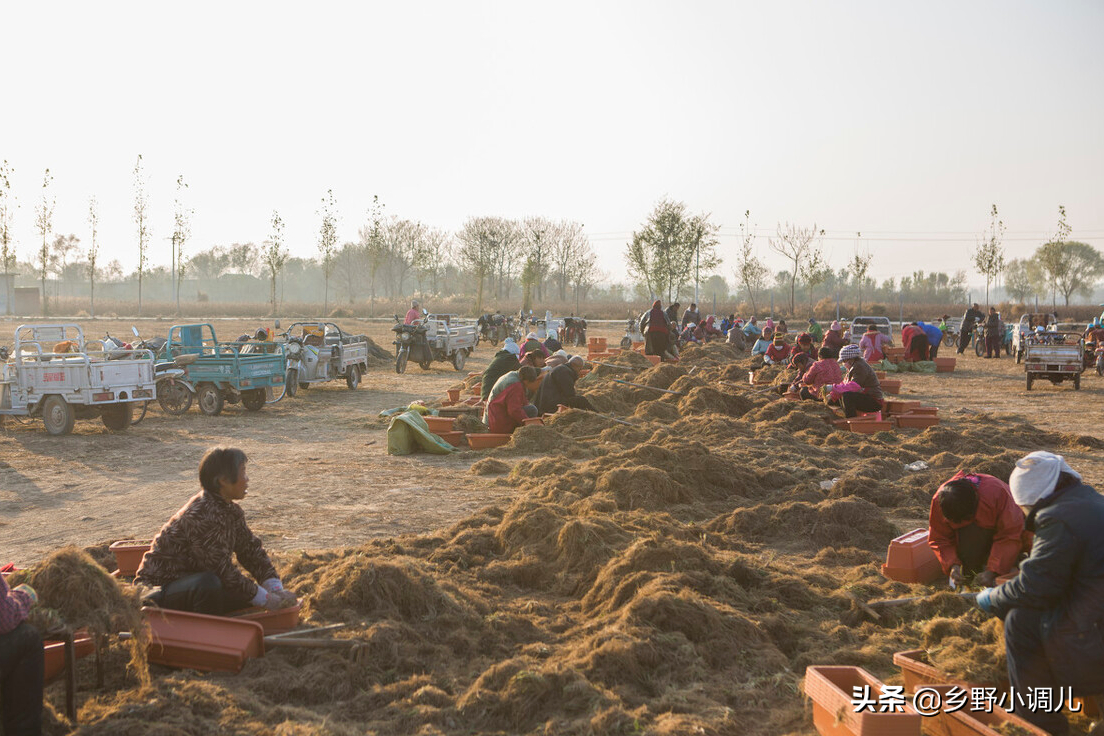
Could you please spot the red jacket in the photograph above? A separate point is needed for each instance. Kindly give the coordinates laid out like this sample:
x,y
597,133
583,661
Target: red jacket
x,y
996,510
778,354
506,412
907,333
822,373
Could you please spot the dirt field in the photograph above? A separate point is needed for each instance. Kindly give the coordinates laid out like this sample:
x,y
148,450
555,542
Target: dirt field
x,y
671,577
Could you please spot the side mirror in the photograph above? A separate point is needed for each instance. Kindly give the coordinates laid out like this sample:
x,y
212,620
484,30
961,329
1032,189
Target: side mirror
x,y
134,330
425,312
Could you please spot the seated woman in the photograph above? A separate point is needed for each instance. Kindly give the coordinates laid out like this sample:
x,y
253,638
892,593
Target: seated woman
x,y
191,560
558,387
778,351
798,362
804,344
821,373
873,344
512,405
865,393
763,342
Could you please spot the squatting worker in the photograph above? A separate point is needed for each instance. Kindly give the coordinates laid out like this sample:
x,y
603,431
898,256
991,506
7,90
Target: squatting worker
x,y
192,556
1053,610
857,370
975,528
504,361
558,387
511,405
21,663
413,314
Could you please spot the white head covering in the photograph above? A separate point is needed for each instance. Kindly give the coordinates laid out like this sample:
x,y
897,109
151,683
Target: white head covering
x,y
562,353
1036,475
511,346
531,336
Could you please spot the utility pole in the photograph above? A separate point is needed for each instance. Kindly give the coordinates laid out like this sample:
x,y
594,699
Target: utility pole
x,y
697,258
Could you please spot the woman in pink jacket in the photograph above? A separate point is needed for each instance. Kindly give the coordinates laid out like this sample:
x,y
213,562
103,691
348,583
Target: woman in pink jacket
x,y
872,344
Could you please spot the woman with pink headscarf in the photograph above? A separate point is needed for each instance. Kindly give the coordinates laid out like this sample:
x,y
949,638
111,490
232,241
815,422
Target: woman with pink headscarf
x,y
833,339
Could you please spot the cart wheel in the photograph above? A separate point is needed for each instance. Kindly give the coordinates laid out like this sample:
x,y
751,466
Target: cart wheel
x,y
141,414
210,399
626,342
1030,381
458,360
116,417
352,377
57,415
1077,382
400,360
174,397
254,400
291,382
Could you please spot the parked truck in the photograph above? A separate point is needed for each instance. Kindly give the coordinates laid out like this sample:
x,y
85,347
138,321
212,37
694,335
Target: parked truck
x,y
51,373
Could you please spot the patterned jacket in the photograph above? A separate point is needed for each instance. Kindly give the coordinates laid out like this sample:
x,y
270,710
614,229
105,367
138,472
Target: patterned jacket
x,y
14,606
204,536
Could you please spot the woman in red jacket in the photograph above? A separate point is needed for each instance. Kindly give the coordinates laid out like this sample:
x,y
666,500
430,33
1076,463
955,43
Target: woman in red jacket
x,y
975,528
510,408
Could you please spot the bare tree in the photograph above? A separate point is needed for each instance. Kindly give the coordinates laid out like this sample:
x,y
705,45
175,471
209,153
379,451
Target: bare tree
x,y
1018,281
859,267
44,223
562,253
750,270
351,262
989,255
671,248
211,263
7,239
405,241
275,254
435,253
373,244
583,271
478,239
93,253
814,271
538,236
62,247
794,243
141,219
327,243
182,230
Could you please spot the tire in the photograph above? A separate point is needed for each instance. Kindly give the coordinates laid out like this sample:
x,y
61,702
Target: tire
x,y
1100,367
303,385
210,399
116,417
1030,381
948,339
352,377
174,397
1077,382
458,360
253,400
58,416
979,346
138,416
425,365
291,382
626,342
401,359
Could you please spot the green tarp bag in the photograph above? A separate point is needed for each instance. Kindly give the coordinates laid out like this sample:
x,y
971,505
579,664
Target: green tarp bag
x,y
408,433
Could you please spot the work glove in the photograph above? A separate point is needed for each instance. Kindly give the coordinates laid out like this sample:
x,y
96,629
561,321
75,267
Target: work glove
x,y
279,600
24,588
983,600
986,579
272,585
956,575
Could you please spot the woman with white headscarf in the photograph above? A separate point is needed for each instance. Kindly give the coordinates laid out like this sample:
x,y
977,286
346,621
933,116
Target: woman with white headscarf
x,y
1053,610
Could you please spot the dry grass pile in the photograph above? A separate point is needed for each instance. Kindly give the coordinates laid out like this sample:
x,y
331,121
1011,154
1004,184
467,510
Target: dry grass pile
x,y
470,423
671,577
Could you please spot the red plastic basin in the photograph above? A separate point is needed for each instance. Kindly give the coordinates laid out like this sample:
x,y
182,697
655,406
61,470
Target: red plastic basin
x,y
200,642
128,555
831,690
487,440
916,421
54,652
439,424
910,559
273,622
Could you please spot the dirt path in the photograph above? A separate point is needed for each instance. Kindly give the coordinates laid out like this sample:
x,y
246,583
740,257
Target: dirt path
x,y
320,475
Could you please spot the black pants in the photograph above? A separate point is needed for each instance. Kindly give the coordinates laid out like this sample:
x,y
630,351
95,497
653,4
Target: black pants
x,y
809,394
918,347
22,664
964,338
933,351
993,342
655,343
973,544
855,401
199,593
1028,666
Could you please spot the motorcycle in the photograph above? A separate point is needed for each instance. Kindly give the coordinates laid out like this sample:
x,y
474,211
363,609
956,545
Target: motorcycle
x,y
979,340
493,328
410,343
573,331
632,333
174,393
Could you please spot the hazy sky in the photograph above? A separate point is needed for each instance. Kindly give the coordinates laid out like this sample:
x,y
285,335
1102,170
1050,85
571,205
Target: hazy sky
x,y
903,121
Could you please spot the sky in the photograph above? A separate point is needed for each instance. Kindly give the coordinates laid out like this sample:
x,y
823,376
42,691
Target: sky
x,y
903,121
